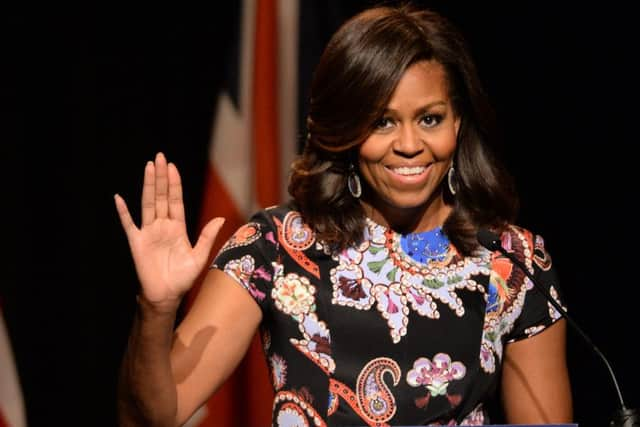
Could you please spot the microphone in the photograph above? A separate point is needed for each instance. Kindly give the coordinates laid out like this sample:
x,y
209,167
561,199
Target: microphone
x,y
623,417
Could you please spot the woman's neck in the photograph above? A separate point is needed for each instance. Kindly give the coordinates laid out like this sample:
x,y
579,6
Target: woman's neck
x,y
408,220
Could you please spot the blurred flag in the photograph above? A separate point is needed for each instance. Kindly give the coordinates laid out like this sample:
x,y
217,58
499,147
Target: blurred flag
x,y
11,405
252,145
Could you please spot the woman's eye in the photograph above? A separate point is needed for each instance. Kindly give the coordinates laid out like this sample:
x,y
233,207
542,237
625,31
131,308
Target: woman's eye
x,y
383,123
430,120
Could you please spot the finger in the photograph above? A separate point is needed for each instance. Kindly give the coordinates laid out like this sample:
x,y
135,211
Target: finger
x,y
176,205
125,217
203,246
148,194
162,187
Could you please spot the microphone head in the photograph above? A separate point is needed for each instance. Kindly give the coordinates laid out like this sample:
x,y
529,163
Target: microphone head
x,y
489,240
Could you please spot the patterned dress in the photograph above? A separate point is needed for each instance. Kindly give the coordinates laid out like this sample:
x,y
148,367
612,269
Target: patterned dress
x,y
400,330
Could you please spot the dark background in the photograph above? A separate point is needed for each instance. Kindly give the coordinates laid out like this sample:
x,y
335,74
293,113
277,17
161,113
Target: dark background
x,y
89,97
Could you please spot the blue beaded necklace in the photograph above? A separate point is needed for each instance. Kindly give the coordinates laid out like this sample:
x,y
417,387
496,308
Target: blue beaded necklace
x,y
426,246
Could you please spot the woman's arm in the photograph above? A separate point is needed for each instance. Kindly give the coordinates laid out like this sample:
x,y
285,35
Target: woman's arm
x,y
535,379
212,340
146,390
166,376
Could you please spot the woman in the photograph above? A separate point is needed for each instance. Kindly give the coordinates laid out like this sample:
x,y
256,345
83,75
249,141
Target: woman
x,y
376,304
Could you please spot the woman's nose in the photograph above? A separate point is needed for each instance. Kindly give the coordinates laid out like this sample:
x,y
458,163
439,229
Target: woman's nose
x,y
409,142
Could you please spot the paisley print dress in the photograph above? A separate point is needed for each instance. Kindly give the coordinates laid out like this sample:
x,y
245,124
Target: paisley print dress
x,y
399,330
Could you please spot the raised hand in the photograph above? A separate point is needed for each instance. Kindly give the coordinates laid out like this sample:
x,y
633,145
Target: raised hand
x,y
166,262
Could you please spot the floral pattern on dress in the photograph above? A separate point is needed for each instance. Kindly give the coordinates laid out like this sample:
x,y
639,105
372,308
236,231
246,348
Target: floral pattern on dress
x,y
292,409
266,340
533,330
553,312
499,293
286,269
295,237
293,294
243,270
316,344
475,417
375,399
278,367
350,288
540,255
377,270
435,376
505,296
372,398
296,234
244,236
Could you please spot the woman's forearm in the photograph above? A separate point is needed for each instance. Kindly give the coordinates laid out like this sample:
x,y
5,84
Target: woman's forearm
x,y
147,391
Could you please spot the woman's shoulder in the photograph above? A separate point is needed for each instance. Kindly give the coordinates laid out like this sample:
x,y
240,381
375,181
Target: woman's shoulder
x,y
283,219
525,244
276,214
283,224
263,229
511,231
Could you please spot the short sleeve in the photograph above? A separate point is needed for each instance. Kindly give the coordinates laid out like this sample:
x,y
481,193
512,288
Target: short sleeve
x,y
248,256
537,312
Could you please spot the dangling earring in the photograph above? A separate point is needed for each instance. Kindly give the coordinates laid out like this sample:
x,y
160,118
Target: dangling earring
x,y
353,183
450,180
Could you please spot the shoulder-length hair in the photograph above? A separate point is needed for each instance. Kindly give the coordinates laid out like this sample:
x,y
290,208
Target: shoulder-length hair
x,y
353,83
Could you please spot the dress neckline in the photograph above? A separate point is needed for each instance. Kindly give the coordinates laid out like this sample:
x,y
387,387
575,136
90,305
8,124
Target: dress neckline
x,y
422,247
425,246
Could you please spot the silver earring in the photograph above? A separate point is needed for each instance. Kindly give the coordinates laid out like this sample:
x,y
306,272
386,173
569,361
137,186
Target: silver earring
x,y
353,183
450,180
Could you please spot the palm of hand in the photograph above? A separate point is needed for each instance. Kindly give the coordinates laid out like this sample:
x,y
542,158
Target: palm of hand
x,y
164,258
166,263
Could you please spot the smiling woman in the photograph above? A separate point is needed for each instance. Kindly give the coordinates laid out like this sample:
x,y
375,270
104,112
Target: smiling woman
x,y
378,74
376,304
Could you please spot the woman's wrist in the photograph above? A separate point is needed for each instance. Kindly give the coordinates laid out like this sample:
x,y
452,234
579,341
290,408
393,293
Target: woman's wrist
x,y
167,307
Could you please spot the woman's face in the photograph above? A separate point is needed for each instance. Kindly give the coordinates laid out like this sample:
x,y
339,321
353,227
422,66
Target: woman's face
x,y
411,148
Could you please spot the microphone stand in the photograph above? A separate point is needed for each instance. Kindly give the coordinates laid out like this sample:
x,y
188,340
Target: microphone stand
x,y
623,417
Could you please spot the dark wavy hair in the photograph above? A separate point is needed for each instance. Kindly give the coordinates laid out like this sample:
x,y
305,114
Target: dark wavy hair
x,y
353,83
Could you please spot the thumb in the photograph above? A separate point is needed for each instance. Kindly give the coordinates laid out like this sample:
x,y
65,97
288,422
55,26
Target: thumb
x,y
125,217
207,237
